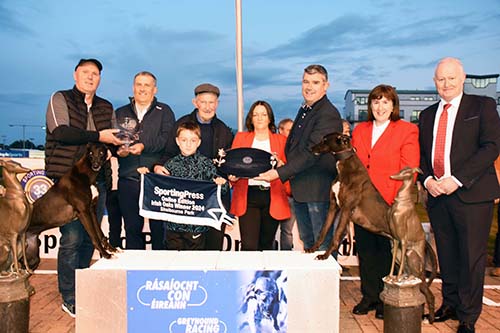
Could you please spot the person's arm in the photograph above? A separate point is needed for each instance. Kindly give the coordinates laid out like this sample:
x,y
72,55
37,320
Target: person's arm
x,y
488,144
58,125
303,158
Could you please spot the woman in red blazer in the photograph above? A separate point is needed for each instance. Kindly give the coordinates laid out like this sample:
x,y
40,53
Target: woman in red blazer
x,y
384,144
259,205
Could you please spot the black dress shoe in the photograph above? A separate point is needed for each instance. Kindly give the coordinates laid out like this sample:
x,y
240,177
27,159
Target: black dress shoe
x,y
364,307
379,311
444,313
466,328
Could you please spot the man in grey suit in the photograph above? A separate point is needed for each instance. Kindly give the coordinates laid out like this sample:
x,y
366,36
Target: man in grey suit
x,y
310,175
462,186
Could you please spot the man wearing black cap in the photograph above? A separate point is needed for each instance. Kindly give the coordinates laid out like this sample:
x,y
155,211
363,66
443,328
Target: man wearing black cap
x,y
74,118
215,134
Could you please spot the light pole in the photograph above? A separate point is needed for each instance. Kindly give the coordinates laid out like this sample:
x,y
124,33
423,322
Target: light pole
x,y
24,130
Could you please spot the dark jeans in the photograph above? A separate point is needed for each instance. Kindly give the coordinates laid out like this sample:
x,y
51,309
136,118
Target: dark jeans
x,y
257,226
286,227
310,219
128,196
75,250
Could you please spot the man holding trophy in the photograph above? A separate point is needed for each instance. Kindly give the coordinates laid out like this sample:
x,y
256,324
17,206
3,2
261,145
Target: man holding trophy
x,y
145,126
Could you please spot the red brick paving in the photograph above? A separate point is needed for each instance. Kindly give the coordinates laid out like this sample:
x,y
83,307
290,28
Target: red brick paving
x,y
46,315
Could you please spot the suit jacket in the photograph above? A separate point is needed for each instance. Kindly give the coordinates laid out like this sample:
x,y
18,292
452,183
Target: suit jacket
x,y
474,147
310,175
279,206
396,148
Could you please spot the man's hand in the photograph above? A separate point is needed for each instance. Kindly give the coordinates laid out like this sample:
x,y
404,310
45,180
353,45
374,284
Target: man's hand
x,y
443,186
136,149
108,136
220,181
122,151
160,169
268,176
448,185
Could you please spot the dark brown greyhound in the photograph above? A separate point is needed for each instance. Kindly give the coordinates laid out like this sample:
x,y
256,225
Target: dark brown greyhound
x,y
71,198
358,201
15,214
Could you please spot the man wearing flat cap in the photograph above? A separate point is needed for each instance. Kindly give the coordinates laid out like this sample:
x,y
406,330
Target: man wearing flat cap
x,y
215,134
74,118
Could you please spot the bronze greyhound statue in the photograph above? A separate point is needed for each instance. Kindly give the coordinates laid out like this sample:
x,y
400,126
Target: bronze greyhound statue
x,y
360,202
15,214
68,199
408,237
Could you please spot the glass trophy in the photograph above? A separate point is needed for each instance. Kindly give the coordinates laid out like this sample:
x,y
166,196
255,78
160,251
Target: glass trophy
x,y
128,131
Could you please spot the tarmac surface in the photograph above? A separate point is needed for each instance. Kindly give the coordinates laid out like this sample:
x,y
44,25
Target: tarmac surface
x,y
46,315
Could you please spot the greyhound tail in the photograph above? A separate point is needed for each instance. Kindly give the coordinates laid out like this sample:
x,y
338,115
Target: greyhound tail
x,y
430,256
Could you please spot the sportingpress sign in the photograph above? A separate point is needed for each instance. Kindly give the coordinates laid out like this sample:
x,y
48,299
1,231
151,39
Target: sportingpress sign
x,y
206,302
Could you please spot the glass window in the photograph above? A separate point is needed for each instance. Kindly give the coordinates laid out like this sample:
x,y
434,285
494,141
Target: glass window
x,y
363,115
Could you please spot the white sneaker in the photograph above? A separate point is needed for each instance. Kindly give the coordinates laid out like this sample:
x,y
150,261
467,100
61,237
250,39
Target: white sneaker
x,y
69,309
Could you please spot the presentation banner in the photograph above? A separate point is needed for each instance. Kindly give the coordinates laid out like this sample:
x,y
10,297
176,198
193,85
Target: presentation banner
x,y
182,200
207,301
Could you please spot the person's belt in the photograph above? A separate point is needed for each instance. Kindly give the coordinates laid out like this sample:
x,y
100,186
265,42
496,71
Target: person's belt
x,y
259,187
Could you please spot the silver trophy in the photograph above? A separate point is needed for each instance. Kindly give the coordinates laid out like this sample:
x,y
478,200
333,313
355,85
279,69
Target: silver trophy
x,y
128,131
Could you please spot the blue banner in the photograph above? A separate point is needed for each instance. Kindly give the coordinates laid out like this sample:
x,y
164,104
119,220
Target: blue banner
x,y
206,301
182,200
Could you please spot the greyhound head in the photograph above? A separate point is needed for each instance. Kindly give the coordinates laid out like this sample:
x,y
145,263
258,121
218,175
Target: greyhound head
x,y
336,143
13,167
406,173
97,154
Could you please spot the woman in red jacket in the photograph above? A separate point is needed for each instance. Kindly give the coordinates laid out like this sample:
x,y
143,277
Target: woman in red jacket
x,y
259,205
384,144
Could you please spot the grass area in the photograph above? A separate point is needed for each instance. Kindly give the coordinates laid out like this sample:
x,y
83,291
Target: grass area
x,y
422,213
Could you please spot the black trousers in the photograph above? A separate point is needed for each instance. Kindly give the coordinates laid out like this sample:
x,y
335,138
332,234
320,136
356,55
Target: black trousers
x,y
257,226
375,257
128,196
461,231
114,218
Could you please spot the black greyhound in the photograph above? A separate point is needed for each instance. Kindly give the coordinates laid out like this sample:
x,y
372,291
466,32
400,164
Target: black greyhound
x,y
71,198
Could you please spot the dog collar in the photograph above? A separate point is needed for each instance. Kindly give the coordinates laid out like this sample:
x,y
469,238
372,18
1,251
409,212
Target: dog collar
x,y
344,154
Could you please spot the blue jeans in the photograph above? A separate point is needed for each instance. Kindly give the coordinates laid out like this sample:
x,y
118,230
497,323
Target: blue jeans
x,y
310,218
75,250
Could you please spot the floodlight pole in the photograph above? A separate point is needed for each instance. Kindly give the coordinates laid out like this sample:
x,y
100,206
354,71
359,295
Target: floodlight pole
x,y
239,66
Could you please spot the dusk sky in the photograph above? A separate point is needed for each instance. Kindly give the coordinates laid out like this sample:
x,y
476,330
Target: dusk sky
x,y
362,43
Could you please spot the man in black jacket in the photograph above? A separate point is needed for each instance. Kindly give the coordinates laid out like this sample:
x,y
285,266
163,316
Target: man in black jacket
x,y
310,175
215,134
155,127
74,118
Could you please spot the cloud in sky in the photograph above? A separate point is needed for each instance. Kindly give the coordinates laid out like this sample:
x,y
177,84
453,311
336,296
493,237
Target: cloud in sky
x,y
361,43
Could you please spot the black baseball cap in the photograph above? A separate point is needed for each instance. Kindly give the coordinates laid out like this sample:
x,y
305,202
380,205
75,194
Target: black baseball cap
x,y
92,60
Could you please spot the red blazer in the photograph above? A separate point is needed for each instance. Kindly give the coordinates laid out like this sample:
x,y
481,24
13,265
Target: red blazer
x,y
279,207
396,148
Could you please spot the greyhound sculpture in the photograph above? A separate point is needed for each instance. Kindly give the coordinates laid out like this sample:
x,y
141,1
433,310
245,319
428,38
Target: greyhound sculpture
x,y
359,201
15,214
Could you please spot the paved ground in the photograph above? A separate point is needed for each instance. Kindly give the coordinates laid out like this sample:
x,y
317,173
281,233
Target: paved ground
x,y
47,316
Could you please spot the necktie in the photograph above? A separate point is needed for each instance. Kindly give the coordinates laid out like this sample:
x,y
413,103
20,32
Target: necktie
x,y
440,143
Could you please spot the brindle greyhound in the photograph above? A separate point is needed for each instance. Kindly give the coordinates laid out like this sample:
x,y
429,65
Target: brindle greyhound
x,y
408,236
15,213
358,201
68,199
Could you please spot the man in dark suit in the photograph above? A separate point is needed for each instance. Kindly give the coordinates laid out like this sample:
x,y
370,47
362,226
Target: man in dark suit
x,y
463,130
310,175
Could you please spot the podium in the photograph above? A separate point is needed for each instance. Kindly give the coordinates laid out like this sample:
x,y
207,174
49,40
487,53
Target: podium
x,y
209,292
